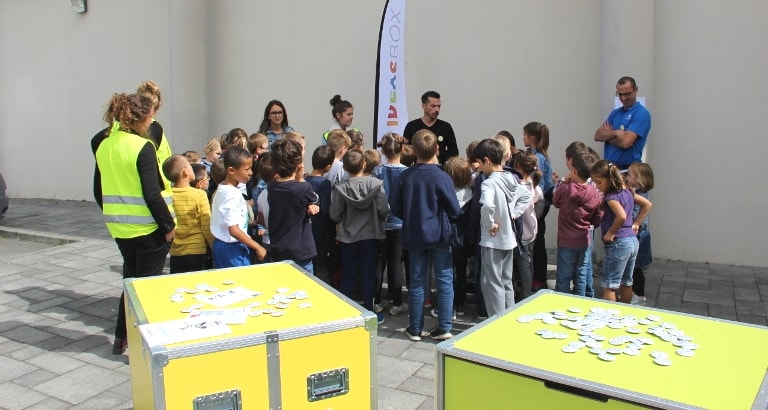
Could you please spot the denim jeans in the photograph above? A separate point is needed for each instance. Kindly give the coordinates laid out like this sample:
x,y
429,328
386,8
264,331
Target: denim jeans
x,y
442,261
589,289
619,262
307,265
572,265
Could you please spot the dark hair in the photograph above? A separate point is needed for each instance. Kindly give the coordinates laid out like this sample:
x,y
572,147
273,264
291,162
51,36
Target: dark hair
x,y
529,164
471,151
286,156
583,164
130,110
322,157
540,134
391,144
607,170
218,171
235,157
429,94
265,122
192,156
172,167
200,173
626,79
264,167
575,149
339,105
491,149
509,136
355,137
236,137
353,161
407,157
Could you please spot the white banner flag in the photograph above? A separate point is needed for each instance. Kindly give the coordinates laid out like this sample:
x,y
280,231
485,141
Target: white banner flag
x,y
391,113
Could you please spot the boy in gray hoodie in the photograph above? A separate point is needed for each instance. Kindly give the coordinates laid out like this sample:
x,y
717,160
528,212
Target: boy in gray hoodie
x,y
359,205
503,199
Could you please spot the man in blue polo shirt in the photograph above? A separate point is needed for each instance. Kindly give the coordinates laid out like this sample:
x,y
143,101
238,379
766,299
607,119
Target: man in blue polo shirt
x,y
625,132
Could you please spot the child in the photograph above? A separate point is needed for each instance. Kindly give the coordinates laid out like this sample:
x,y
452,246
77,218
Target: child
x,y
193,157
266,175
425,200
201,180
407,157
536,138
461,174
291,203
323,228
298,137
580,209
391,254
526,164
355,139
360,207
618,229
212,152
640,178
339,142
218,174
502,201
372,160
257,145
193,216
229,221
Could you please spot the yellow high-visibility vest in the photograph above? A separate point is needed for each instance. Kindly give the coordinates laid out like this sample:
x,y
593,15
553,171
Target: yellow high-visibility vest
x,y
125,210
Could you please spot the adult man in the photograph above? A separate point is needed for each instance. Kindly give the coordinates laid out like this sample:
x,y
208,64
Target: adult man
x,y
446,139
625,132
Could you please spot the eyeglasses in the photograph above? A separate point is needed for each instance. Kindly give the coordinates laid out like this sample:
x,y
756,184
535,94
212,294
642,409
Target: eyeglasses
x,y
276,113
626,94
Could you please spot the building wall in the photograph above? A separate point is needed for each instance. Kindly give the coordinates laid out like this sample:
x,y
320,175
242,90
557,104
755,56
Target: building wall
x,y
498,65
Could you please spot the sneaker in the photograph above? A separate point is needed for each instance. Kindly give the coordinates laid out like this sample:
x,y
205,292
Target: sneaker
x,y
638,300
119,346
433,312
379,307
380,317
414,336
459,311
440,334
396,310
482,315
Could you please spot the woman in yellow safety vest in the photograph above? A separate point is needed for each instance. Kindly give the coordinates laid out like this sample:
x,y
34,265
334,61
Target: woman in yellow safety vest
x,y
136,212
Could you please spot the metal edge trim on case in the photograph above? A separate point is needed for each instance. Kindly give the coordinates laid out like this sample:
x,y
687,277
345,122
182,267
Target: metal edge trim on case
x,y
761,400
216,346
158,385
273,370
439,381
374,340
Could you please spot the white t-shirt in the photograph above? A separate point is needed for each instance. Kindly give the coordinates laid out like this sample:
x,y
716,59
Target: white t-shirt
x,y
264,210
228,208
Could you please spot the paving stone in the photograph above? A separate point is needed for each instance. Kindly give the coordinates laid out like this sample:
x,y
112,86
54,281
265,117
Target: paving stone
x,y
13,368
419,385
739,282
393,347
105,400
671,301
427,371
753,319
27,334
50,404
429,404
426,356
705,296
733,271
81,384
393,372
393,399
18,397
746,307
55,362
752,294
26,353
48,304
695,308
34,378
723,312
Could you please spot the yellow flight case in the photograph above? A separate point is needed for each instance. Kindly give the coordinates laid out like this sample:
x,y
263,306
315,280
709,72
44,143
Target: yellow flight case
x,y
557,351
266,336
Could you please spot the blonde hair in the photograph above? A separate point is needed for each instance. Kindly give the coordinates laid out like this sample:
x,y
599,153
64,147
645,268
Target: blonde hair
x,y
151,90
505,145
255,141
212,145
338,139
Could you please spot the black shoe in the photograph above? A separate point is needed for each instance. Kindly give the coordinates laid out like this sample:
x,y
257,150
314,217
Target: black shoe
x,y
440,334
119,346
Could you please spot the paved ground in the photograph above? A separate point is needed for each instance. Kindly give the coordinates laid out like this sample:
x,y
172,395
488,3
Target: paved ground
x,y
60,284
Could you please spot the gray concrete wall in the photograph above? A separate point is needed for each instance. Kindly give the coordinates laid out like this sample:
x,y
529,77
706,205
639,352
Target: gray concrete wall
x,y
498,66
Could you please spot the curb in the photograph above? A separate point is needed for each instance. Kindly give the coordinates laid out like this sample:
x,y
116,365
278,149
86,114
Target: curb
x,y
35,236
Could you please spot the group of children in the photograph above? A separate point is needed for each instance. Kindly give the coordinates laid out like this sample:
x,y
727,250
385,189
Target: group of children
x,y
355,217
